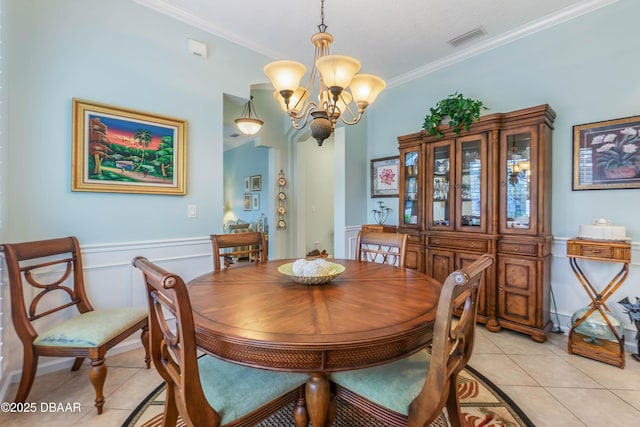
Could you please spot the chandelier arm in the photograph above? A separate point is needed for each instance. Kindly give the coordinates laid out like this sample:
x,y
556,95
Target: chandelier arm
x,y
296,118
356,120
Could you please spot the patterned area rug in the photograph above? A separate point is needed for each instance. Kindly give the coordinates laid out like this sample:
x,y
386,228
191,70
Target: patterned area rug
x,y
483,405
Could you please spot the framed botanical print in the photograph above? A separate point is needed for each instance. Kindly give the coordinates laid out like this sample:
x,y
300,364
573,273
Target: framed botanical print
x,y
384,177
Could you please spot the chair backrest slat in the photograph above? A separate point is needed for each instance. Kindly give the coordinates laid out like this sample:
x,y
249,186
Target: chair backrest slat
x,y
385,248
34,264
254,242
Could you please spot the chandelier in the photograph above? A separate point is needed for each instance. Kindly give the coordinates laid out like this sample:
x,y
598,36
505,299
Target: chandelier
x,y
338,92
247,123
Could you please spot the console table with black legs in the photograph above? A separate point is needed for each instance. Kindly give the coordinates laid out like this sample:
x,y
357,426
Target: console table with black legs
x,y
607,351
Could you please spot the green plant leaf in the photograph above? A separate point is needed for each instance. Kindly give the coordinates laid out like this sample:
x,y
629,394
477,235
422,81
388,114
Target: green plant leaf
x,y
461,111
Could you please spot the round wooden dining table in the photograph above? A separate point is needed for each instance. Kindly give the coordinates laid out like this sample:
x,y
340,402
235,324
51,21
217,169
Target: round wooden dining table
x,y
369,315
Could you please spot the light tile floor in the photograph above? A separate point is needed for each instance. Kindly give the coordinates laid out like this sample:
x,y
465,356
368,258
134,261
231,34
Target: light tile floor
x,y
552,387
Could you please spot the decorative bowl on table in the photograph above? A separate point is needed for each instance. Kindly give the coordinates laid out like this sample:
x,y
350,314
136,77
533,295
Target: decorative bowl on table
x,y
315,272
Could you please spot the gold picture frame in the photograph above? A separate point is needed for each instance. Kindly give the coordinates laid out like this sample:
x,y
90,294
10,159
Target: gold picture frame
x,y
120,150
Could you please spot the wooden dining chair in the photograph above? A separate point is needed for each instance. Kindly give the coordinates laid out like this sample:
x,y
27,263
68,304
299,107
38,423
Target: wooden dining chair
x,y
226,246
207,391
414,390
52,314
386,248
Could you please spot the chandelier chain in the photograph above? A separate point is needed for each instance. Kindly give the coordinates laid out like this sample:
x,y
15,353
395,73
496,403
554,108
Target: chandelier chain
x,y
322,27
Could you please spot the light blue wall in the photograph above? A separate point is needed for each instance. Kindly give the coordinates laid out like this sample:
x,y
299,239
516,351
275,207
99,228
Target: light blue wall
x,y
119,53
586,69
246,161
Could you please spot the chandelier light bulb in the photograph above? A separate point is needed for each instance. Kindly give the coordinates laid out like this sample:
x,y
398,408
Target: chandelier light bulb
x,y
337,70
285,75
365,88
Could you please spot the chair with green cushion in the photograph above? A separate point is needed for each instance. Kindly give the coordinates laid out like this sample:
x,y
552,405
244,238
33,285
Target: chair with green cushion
x,y
53,316
414,390
207,391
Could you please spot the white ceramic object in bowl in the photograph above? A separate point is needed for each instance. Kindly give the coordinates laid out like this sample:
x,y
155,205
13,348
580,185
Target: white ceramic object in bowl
x,y
335,271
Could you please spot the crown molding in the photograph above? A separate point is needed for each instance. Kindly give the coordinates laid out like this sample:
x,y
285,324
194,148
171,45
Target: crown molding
x,y
541,24
170,10
533,27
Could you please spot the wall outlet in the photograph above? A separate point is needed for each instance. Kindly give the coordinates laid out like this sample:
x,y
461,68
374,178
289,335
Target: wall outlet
x,y
192,211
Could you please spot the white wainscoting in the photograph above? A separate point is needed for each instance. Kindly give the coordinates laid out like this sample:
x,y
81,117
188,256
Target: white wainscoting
x,y
351,235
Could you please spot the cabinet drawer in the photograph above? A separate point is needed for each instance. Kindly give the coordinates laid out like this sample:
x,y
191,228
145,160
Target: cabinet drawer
x,y
595,250
469,244
517,248
414,239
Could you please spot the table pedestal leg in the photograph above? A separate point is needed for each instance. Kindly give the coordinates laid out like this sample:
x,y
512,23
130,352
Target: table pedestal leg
x,y
317,392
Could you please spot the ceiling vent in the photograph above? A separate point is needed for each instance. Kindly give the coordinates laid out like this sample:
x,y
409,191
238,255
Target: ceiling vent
x,y
469,35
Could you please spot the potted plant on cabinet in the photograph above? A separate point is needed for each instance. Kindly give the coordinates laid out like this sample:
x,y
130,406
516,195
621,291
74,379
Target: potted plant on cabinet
x,y
456,110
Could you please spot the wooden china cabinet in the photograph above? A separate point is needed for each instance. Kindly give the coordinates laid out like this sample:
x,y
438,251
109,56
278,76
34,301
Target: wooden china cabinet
x,y
486,190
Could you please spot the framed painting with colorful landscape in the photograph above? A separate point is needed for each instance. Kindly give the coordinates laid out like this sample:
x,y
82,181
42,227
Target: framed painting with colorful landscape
x,y
119,150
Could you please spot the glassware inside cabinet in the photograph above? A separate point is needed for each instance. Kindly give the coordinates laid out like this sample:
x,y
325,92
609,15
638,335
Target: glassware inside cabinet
x,y
440,210
518,187
411,187
470,194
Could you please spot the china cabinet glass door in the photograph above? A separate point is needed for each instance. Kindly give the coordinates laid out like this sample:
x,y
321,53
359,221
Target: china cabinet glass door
x,y
518,181
469,176
440,173
519,170
411,187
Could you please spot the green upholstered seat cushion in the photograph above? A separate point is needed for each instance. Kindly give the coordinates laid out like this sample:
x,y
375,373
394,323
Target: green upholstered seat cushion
x,y
234,390
91,329
393,385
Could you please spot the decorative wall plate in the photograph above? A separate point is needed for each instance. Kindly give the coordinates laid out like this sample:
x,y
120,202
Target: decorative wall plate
x,y
282,181
282,224
282,196
282,210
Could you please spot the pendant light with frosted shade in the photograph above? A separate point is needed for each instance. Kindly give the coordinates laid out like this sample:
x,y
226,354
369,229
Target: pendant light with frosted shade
x,y
247,123
334,90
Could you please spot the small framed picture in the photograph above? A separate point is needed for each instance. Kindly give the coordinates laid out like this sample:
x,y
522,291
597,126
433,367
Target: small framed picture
x,y
247,184
255,202
606,155
384,177
247,201
256,183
